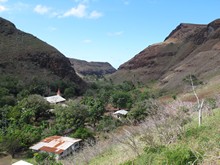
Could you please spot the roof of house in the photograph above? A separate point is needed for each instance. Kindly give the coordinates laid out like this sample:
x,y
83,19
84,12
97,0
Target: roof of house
x,y
122,112
55,144
55,99
21,162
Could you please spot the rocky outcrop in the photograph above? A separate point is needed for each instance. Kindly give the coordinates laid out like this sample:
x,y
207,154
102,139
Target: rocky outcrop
x,y
92,68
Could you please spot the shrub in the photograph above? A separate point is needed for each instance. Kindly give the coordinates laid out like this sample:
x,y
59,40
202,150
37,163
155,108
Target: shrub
x,y
44,158
192,78
82,133
211,103
108,123
130,162
179,155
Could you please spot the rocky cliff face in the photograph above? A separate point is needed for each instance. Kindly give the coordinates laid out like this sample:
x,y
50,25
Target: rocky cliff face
x,y
25,56
92,68
189,49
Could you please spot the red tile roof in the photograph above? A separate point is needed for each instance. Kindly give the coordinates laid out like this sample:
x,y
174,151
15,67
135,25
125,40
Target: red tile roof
x,y
55,144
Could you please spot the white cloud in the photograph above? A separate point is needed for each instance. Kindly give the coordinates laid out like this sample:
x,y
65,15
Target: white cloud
x,y
126,2
1,1
2,8
79,11
41,9
115,33
52,29
95,14
87,41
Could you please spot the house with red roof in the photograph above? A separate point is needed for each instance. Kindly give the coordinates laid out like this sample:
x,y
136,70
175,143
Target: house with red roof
x,y
60,146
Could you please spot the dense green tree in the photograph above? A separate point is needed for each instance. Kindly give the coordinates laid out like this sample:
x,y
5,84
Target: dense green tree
x,y
31,109
11,142
70,117
142,109
108,123
126,86
83,133
11,84
69,92
18,137
121,99
96,109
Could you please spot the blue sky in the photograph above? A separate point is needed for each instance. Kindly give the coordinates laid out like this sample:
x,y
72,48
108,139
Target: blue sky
x,y
111,31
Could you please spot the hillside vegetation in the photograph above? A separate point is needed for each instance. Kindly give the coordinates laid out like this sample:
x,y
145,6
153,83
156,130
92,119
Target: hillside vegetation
x,y
159,140
27,59
188,49
160,125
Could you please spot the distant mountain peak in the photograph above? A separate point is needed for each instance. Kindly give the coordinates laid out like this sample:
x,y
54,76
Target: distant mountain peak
x,y
188,49
92,68
182,31
212,26
6,27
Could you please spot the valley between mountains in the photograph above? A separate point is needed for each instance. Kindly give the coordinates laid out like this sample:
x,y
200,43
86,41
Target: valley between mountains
x,y
160,107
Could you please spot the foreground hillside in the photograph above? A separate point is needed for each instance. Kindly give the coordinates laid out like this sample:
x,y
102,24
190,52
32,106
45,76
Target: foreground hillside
x,y
92,68
160,140
189,49
25,57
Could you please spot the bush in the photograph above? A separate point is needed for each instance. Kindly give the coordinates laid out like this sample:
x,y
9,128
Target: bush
x,y
83,133
194,131
211,103
192,78
179,155
44,158
130,162
155,149
108,123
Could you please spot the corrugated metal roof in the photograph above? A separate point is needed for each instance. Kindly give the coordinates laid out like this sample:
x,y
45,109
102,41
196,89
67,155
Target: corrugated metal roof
x,y
122,112
55,144
55,99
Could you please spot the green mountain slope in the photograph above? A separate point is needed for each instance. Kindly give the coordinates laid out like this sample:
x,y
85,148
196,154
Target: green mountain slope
x,y
26,57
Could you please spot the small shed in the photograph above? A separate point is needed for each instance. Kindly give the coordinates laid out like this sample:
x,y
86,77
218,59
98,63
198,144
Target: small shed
x,y
60,146
120,113
55,99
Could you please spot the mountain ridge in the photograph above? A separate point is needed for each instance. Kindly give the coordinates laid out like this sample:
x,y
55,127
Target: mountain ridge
x,y
188,49
92,68
26,57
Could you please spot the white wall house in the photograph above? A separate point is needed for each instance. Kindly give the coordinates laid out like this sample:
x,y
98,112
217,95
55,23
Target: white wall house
x,y
55,99
60,146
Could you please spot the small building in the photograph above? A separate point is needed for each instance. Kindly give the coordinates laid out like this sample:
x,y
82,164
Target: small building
x,y
60,146
56,98
21,162
120,113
